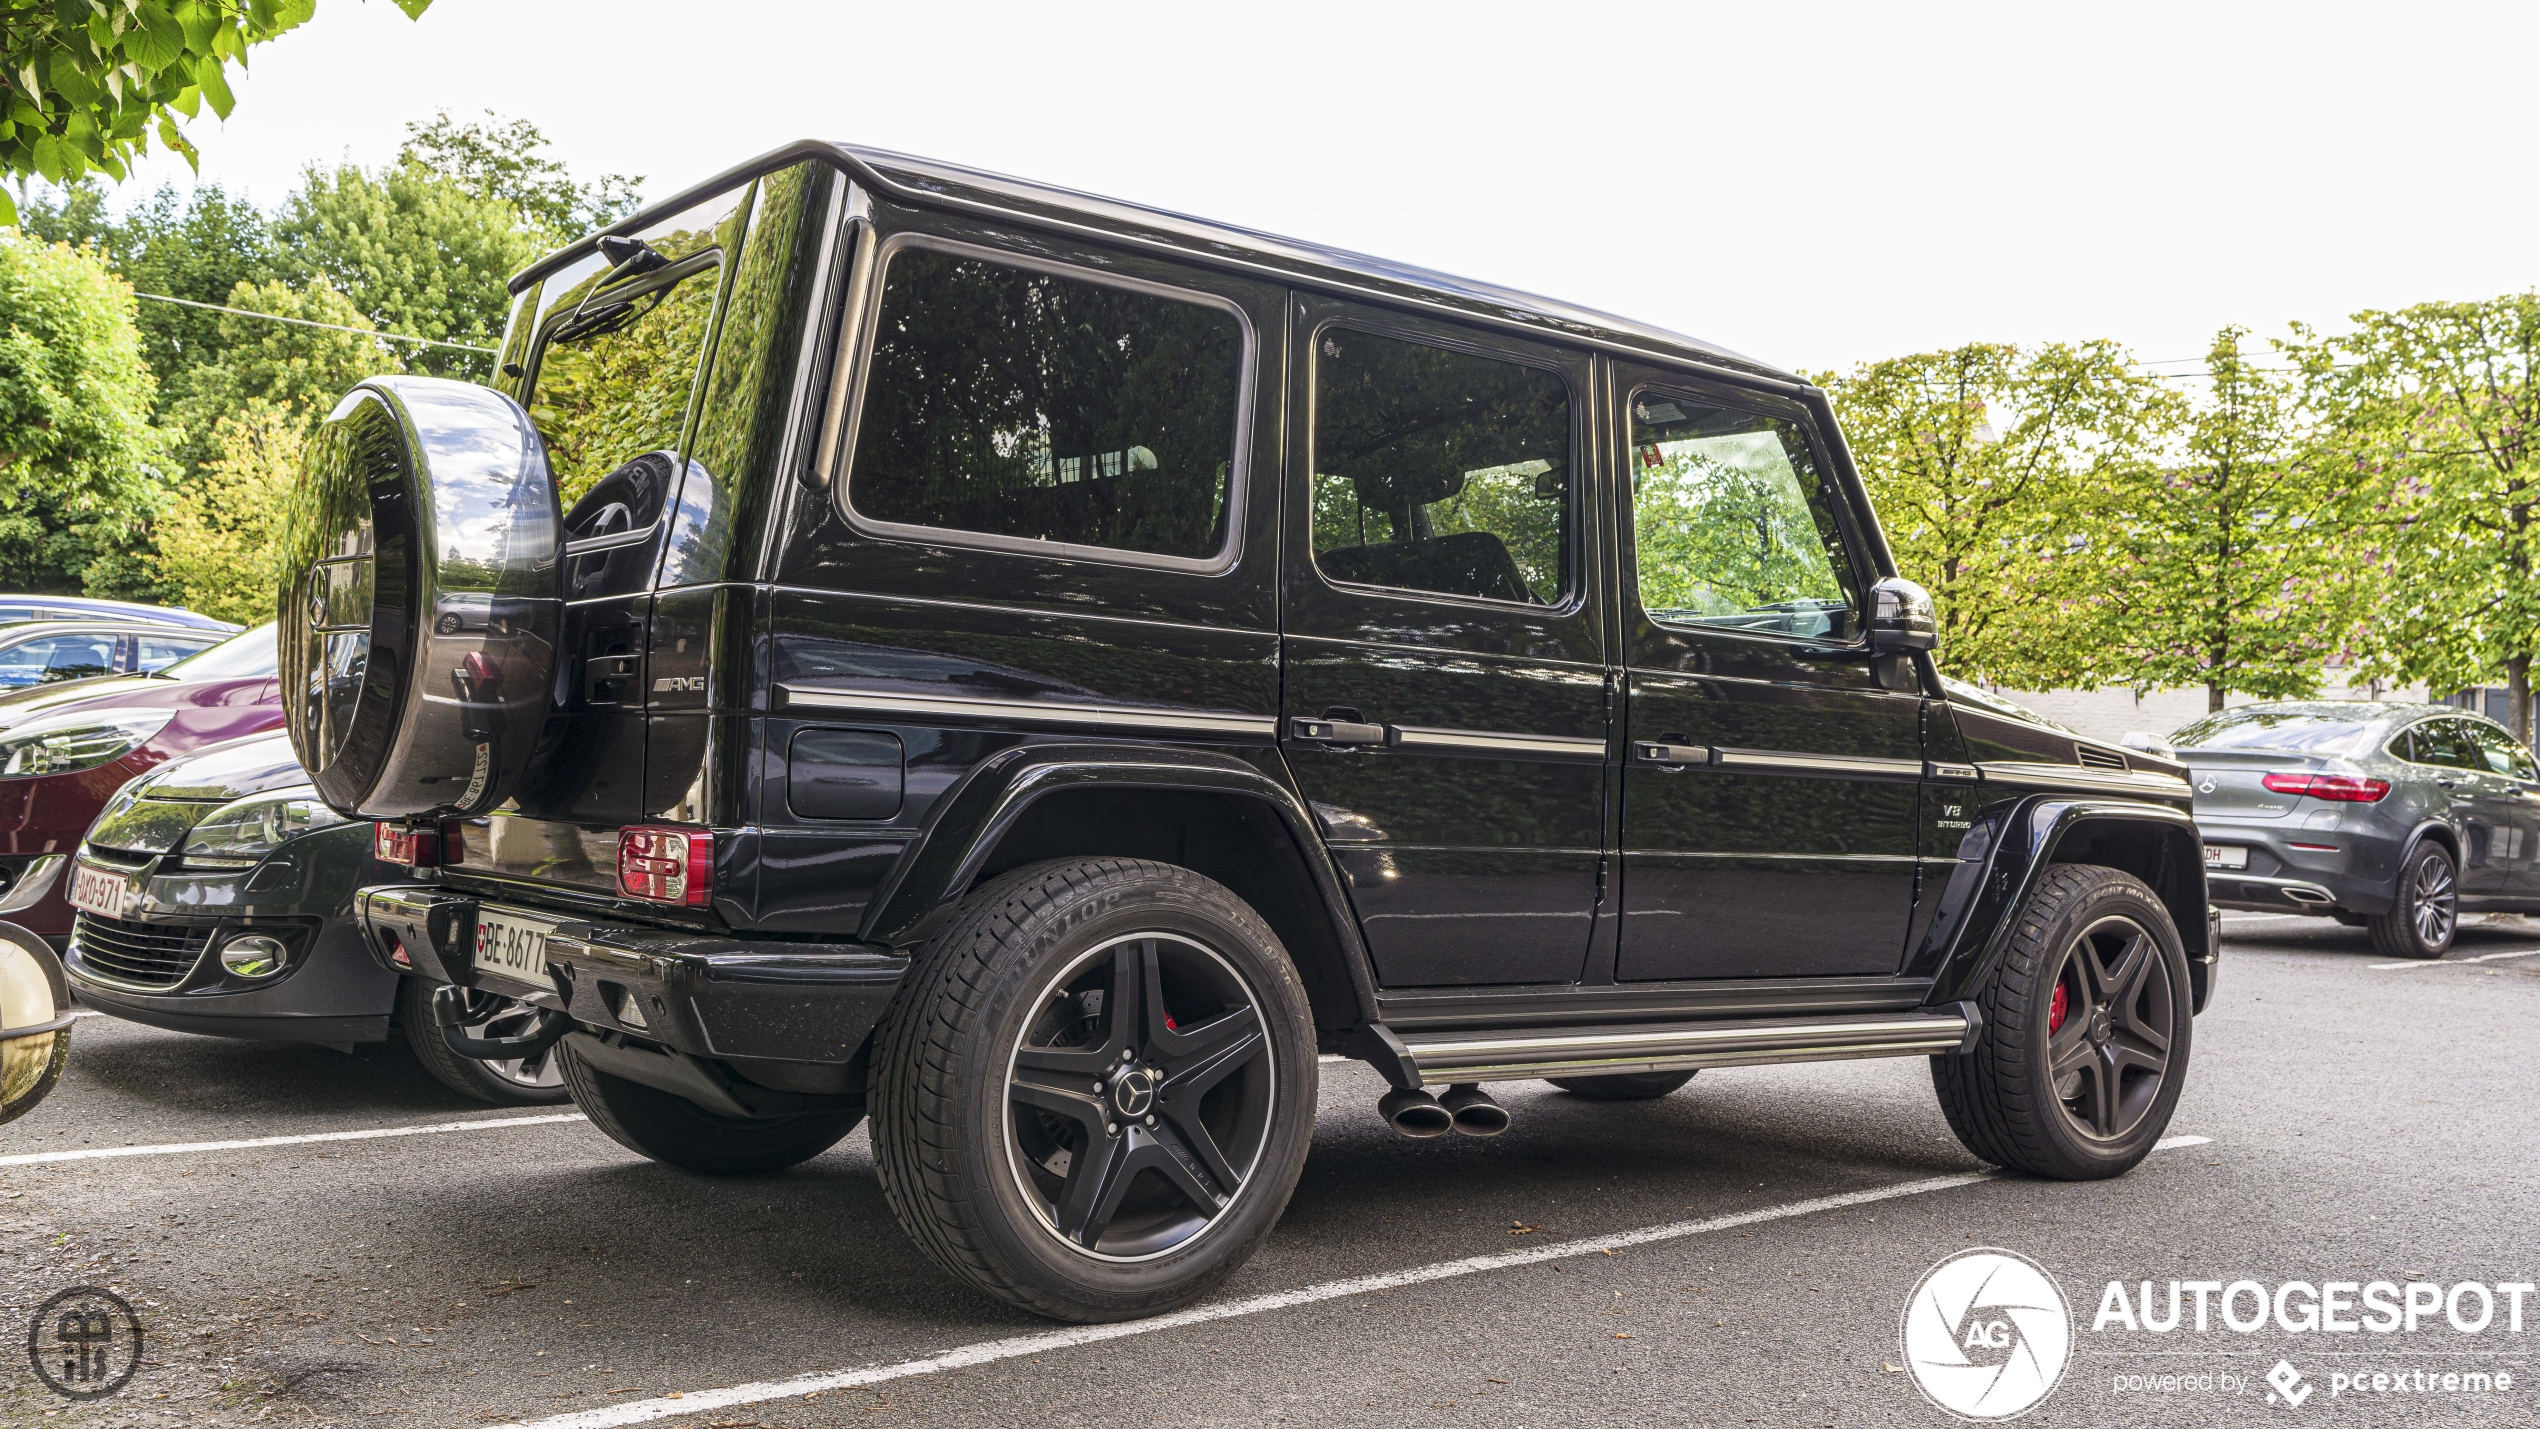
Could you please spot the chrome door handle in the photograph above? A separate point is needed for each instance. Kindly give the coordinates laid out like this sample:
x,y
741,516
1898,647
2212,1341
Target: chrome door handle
x,y
1669,756
1331,731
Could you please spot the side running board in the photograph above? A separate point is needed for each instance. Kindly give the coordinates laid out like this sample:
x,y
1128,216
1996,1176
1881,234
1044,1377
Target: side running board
x,y
1675,1046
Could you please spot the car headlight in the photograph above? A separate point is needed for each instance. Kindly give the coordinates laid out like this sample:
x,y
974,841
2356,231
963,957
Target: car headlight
x,y
248,829
75,740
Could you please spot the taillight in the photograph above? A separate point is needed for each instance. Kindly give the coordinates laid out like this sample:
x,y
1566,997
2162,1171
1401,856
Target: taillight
x,y
413,848
665,865
434,847
2336,788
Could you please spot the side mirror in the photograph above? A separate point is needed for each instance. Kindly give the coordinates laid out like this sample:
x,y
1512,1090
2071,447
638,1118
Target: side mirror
x,y
2151,744
35,1020
1901,617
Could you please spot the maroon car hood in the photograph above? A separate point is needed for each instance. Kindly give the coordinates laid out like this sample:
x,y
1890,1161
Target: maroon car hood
x,y
204,707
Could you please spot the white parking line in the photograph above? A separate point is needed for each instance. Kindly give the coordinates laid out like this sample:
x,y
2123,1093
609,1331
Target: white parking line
x,y
988,1352
176,1148
2452,962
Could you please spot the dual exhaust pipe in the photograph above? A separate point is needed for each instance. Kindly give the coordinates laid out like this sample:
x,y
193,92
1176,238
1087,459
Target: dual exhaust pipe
x,y
1465,1108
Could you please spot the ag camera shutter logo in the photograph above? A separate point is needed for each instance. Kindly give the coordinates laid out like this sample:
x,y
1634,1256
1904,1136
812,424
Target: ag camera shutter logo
x,y
1987,1334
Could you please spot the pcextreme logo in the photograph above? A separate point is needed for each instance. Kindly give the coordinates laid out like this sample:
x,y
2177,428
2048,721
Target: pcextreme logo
x,y
1986,1334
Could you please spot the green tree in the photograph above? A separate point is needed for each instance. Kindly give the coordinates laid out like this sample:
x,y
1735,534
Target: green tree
x,y
80,464
1987,464
88,83
219,547
2232,565
502,159
416,254
2437,408
293,367
197,248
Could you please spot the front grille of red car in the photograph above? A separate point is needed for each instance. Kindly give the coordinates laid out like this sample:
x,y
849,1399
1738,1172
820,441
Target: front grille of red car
x,y
127,950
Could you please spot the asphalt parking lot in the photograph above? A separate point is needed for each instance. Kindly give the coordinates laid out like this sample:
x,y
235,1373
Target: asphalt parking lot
x,y
1738,1253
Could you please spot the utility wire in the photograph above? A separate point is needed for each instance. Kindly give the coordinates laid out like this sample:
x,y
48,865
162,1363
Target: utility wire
x,y
304,322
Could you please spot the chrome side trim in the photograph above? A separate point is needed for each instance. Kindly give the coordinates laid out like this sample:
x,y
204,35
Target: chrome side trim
x,y
1451,1057
1109,719
1489,745
2066,776
1830,766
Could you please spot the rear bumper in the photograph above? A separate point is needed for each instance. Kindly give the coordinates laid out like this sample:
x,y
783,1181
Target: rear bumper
x,y
707,996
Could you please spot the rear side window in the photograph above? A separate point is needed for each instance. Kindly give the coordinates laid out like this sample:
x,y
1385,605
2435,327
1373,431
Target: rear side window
x,y
2444,742
1437,470
2500,752
57,657
1049,407
157,652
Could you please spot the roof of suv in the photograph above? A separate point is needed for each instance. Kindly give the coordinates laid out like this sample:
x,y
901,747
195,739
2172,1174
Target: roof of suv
x,y
906,178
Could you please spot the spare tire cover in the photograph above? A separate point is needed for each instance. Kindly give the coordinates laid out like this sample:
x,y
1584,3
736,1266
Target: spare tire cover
x,y
418,633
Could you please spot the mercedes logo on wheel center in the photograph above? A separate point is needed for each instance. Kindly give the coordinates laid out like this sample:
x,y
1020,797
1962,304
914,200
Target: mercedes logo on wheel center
x,y
1986,1334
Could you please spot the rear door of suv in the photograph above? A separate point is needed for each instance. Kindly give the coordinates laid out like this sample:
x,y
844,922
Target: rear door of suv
x,y
1446,700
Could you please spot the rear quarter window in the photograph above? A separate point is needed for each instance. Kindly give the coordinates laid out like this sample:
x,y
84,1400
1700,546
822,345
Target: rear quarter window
x,y
1050,409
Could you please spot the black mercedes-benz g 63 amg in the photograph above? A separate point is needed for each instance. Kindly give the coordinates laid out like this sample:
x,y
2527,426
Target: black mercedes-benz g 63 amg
x,y
899,641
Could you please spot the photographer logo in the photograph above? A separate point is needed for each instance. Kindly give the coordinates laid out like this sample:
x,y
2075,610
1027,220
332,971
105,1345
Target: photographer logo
x,y
1986,1334
84,1343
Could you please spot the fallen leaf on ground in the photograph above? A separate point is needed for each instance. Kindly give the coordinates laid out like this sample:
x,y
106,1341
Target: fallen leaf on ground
x,y
1521,1228
1622,1337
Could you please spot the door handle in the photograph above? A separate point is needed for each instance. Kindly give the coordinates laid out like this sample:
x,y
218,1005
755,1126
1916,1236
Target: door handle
x,y
1669,756
1336,731
604,678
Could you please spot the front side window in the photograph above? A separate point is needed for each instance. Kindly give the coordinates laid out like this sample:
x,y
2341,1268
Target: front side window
x,y
1035,406
1437,470
1733,525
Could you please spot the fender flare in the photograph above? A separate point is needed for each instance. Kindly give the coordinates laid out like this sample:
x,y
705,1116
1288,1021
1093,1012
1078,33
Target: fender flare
x,y
938,870
2023,845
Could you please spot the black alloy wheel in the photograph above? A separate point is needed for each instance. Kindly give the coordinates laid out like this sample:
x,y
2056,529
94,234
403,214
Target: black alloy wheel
x,y
2109,1023
1095,1088
2081,1049
1139,1096
2425,909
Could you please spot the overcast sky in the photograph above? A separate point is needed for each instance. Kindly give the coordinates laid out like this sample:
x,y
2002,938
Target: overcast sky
x,y
1815,185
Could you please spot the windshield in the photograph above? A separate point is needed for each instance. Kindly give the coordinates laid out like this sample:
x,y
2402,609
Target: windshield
x,y
249,655
2257,728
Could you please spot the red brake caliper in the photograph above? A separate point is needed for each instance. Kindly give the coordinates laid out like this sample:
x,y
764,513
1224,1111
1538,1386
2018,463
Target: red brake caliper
x,y
2055,1010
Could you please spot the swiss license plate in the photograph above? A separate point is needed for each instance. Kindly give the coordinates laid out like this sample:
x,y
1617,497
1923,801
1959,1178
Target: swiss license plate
x,y
98,890
2226,856
513,947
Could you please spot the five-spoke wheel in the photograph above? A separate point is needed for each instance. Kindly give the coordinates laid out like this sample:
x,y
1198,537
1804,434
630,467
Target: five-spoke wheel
x,y
2109,1023
1139,1095
2083,1033
1096,1088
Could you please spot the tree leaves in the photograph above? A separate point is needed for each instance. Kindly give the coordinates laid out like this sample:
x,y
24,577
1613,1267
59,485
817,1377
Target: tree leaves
x,y
100,80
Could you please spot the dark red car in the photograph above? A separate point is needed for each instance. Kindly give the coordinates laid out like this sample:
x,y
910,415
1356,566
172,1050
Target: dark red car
x,y
66,748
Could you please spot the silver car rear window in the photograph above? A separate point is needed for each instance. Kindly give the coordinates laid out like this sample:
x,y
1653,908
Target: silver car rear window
x,y
2276,729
